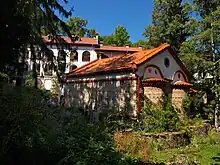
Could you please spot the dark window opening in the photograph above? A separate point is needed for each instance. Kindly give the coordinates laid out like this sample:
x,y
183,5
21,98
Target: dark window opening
x,y
72,67
48,69
166,62
38,68
86,56
73,55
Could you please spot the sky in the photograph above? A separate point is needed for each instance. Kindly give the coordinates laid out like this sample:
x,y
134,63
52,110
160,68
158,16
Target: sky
x,y
105,15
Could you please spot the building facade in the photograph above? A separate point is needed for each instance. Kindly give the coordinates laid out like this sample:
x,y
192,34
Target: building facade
x,y
74,54
120,82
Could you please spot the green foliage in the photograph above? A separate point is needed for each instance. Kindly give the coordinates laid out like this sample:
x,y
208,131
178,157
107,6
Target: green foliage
x,y
33,132
151,119
3,77
119,37
171,23
30,80
194,106
203,150
77,26
154,119
55,87
141,43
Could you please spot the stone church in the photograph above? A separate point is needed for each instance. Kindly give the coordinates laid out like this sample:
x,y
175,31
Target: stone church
x,y
119,82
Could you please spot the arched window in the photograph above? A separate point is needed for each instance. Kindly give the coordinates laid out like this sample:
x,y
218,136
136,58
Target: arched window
x,y
72,67
49,55
38,68
73,55
86,56
152,71
179,76
61,59
48,69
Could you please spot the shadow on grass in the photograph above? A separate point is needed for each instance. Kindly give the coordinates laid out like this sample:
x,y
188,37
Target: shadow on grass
x,y
216,159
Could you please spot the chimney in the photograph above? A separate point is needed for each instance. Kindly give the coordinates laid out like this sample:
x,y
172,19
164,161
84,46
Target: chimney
x,y
101,43
97,37
127,46
140,47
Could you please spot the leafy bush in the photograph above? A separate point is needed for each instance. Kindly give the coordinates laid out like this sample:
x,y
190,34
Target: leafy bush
x,y
3,77
151,119
154,119
31,132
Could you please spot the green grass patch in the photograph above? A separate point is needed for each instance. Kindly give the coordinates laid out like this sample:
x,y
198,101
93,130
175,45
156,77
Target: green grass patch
x,y
204,150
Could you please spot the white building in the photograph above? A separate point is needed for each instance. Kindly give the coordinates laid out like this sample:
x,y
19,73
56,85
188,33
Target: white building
x,y
73,54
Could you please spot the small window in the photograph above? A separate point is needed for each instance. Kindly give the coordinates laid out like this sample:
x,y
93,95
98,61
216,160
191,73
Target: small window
x,y
86,56
72,67
61,55
48,69
179,75
38,68
74,55
149,70
166,62
156,72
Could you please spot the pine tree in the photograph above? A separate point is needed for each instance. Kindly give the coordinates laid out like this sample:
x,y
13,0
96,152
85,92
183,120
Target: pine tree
x,y
201,52
21,25
171,23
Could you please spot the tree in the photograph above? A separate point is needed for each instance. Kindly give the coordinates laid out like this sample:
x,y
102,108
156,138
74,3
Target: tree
x,y
119,37
77,26
108,40
171,23
22,24
201,52
91,33
141,43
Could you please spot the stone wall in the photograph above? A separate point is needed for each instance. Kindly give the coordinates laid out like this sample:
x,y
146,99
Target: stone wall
x,y
153,94
100,96
177,98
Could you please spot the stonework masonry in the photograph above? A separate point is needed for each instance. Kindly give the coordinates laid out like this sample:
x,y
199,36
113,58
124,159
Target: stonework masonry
x,y
155,94
101,96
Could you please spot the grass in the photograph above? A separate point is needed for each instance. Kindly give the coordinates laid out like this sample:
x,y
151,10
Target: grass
x,y
133,146
204,150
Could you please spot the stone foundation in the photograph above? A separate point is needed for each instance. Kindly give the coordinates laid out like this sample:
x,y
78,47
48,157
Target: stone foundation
x,y
177,98
153,94
101,96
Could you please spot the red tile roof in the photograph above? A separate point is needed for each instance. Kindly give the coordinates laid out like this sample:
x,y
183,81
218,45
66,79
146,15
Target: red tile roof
x,y
118,63
182,83
66,39
118,48
153,79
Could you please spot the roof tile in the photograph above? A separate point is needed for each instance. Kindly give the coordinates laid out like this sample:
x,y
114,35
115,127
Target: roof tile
x,y
83,41
118,62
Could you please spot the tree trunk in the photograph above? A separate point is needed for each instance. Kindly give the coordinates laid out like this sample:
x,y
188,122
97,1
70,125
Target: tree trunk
x,y
33,55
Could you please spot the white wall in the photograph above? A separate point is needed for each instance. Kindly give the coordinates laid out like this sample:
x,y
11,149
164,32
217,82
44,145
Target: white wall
x,y
100,77
159,61
80,49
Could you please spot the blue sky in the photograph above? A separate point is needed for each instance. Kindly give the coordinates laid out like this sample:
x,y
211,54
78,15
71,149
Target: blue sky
x,y
105,15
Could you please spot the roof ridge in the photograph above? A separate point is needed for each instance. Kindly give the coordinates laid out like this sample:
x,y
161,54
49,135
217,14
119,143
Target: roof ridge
x,y
163,46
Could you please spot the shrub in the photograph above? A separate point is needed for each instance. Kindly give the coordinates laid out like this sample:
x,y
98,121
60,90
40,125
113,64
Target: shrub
x,y
34,133
154,119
